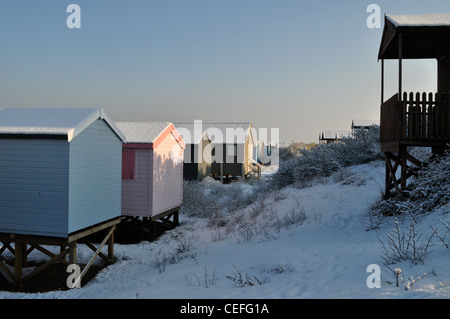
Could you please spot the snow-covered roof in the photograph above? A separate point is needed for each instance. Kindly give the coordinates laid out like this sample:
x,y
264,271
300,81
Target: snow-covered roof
x,y
219,132
364,123
420,20
142,132
330,135
52,121
229,132
149,132
192,133
424,36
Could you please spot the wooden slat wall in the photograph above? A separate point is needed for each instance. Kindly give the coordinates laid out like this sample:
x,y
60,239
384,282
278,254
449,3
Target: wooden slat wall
x,y
389,123
416,117
34,186
427,116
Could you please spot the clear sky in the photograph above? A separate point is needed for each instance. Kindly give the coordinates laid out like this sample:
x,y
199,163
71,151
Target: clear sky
x,y
300,66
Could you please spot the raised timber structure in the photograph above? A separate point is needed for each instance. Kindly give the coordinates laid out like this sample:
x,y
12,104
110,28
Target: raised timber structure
x,y
152,173
59,183
414,119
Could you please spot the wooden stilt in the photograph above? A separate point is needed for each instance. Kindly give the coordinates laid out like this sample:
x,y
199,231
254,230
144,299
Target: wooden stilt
x,y
73,253
111,247
392,178
152,230
2,265
18,248
406,171
176,218
404,167
68,246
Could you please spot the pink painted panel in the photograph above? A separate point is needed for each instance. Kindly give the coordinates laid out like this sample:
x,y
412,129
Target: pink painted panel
x,y
167,175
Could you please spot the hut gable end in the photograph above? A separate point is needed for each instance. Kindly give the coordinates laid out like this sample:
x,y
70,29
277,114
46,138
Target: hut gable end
x,y
167,170
95,176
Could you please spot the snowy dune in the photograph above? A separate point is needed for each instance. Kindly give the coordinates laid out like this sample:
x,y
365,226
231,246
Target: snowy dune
x,y
325,256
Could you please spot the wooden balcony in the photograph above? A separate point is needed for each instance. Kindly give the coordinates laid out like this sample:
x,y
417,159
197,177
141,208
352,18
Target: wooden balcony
x,y
418,119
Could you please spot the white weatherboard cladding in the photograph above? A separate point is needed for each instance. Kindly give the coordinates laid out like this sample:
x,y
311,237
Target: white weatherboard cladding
x,y
95,179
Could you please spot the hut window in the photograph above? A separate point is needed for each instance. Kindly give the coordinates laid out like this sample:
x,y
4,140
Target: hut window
x,y
128,164
232,150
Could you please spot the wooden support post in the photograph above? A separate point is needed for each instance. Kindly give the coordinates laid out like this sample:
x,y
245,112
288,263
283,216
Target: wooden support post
x,y
3,266
18,264
111,247
400,64
382,81
152,230
73,252
391,176
24,255
176,218
404,166
60,265
387,186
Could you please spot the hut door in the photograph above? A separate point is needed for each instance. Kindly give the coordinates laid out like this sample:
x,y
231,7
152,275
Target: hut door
x,y
128,164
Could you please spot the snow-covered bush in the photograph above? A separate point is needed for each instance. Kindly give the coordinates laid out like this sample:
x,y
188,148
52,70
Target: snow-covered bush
x,y
406,244
303,165
429,190
241,279
212,199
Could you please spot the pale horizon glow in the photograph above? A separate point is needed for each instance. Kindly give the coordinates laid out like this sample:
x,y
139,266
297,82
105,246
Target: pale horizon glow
x,y
300,66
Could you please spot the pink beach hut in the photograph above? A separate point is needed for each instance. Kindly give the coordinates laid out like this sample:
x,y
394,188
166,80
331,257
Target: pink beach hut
x,y
152,171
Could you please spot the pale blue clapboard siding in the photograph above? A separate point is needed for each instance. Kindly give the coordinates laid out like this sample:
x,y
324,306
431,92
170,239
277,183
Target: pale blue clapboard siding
x,y
34,176
95,178
50,187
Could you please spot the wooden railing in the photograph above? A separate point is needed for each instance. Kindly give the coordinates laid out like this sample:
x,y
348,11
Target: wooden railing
x,y
390,120
254,167
417,117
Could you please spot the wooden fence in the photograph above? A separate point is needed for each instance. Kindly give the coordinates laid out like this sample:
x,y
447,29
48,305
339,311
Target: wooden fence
x,y
417,117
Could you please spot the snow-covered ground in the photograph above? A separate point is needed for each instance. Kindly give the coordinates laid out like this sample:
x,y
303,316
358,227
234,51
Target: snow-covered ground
x,y
324,256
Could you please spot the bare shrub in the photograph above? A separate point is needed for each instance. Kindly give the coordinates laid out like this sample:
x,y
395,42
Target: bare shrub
x,y
241,279
406,244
